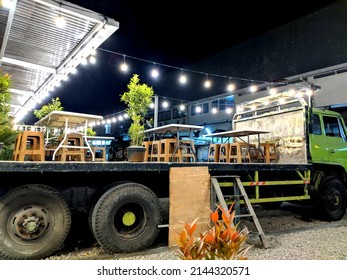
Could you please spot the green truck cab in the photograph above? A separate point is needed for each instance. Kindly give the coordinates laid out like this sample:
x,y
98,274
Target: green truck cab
x,y
312,148
328,150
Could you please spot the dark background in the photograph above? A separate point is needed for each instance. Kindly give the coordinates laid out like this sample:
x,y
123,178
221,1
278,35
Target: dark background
x,y
174,35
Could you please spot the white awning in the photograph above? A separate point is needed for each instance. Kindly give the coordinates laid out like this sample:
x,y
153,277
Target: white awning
x,y
38,54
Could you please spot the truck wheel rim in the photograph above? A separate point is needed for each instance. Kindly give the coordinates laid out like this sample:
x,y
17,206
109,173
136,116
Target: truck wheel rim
x,y
334,200
29,223
129,218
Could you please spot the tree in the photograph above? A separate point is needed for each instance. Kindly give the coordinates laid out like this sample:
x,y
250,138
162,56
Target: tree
x,y
137,98
55,105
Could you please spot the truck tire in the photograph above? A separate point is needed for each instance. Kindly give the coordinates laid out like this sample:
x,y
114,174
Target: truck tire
x,y
34,222
126,218
332,201
91,209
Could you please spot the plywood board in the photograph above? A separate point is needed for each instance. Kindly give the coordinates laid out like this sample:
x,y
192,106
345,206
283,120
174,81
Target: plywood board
x,y
189,199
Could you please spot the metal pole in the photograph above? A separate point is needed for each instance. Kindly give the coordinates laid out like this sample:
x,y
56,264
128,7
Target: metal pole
x,y
156,101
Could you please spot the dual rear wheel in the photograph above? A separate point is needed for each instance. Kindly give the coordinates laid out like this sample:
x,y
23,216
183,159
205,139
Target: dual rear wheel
x,y
35,220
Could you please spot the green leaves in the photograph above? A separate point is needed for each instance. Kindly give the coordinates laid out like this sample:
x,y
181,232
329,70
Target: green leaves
x,y
223,241
137,98
55,105
5,98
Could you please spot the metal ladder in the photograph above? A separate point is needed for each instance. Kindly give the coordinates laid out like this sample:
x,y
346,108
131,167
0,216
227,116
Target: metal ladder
x,y
239,192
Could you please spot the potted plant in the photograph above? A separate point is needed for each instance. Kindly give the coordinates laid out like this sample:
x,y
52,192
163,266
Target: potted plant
x,y
137,98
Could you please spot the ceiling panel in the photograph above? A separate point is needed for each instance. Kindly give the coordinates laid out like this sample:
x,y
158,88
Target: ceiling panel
x,y
37,53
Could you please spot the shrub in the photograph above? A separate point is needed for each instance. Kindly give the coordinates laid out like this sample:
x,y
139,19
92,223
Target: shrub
x,y
222,241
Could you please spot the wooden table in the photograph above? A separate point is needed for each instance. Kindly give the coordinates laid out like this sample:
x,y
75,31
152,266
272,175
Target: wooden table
x,y
174,130
68,120
239,133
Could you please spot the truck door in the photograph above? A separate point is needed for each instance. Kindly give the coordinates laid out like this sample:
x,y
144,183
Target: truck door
x,y
319,151
335,139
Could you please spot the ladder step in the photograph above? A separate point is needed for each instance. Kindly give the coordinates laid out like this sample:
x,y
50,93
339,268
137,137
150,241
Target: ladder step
x,y
238,187
243,215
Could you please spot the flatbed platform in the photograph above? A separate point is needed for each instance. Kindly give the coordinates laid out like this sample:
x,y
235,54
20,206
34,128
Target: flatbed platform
x,y
121,166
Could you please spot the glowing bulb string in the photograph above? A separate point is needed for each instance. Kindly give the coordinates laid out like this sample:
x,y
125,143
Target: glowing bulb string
x,y
182,69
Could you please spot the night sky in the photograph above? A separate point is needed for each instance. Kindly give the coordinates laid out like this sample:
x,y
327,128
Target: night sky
x,y
176,33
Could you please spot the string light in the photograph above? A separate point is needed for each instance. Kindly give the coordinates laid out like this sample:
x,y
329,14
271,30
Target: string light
x,y
272,90
165,103
75,61
253,88
92,59
198,109
155,72
207,83
228,110
124,66
84,60
59,20
7,4
183,77
231,86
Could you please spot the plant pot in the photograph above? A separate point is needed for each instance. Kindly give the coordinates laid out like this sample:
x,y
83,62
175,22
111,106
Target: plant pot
x,y
136,153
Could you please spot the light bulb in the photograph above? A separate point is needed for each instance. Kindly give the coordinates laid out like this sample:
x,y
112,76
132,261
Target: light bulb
x,y
60,21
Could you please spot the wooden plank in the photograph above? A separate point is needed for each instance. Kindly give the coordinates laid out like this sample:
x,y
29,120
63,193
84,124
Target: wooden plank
x,y
189,199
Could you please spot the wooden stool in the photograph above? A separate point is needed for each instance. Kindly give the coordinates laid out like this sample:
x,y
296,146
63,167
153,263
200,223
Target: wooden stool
x,y
99,153
187,149
224,152
167,148
148,146
155,151
269,151
76,152
238,152
213,152
29,145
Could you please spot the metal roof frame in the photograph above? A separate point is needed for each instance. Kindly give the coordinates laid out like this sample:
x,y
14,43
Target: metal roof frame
x,y
38,54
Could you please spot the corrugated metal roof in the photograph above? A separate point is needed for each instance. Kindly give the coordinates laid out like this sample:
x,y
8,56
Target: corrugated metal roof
x,y
37,53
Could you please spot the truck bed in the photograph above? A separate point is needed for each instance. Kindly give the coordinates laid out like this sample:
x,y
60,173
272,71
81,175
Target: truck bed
x,y
124,166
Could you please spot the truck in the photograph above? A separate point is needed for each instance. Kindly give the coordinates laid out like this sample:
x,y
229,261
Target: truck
x,y
125,204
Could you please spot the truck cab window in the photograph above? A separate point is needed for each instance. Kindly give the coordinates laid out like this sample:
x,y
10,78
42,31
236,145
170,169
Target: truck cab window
x,y
316,127
331,126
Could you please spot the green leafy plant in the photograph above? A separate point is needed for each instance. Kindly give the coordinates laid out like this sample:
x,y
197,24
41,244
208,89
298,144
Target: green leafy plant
x,y
7,133
90,132
137,98
5,98
223,240
54,105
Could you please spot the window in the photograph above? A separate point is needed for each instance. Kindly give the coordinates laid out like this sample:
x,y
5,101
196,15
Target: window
x,y
178,113
316,127
107,129
331,126
164,116
223,103
204,109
